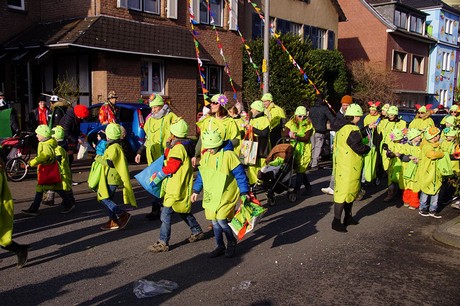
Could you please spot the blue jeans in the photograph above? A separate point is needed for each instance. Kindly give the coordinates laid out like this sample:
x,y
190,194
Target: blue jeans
x,y
220,228
424,202
112,207
165,228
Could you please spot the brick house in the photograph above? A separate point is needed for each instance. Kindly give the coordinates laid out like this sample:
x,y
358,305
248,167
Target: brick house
x,y
135,47
390,35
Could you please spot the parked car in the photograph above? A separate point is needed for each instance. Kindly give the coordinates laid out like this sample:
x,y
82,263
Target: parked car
x,y
130,115
409,114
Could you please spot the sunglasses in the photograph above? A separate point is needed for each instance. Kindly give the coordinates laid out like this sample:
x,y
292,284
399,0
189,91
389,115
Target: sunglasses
x,y
301,116
420,112
215,103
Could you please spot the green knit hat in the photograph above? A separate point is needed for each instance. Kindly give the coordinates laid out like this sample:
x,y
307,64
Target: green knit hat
x,y
113,131
267,97
157,101
393,110
300,111
258,105
413,133
211,139
58,132
179,128
43,130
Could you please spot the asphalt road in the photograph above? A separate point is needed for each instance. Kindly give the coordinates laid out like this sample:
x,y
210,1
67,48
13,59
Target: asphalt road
x,y
292,258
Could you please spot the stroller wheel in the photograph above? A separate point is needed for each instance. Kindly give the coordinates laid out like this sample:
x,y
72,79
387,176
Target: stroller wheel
x,y
271,201
292,197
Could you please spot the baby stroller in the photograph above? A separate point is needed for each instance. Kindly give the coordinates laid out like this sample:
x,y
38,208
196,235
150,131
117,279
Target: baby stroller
x,y
276,176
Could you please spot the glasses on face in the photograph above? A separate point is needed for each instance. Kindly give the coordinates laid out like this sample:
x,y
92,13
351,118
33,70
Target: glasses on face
x,y
453,112
420,112
301,116
215,103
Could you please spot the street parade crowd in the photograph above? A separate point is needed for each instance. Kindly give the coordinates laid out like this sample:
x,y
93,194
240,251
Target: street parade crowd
x,y
234,155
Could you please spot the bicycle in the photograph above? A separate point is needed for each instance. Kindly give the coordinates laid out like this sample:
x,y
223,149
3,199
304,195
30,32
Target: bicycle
x,y
15,153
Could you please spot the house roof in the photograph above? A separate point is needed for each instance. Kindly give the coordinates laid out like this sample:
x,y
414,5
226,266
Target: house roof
x,y
109,34
337,6
427,4
369,4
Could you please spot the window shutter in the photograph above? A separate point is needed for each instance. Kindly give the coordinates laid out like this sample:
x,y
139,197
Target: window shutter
x,y
122,3
233,16
171,9
196,9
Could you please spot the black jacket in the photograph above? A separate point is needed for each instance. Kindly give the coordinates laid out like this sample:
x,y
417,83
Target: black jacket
x,y
319,115
71,125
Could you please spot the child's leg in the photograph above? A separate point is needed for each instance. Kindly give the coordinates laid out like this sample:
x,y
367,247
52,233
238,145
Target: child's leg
x,y
37,200
434,203
423,203
113,208
68,204
197,232
165,228
219,236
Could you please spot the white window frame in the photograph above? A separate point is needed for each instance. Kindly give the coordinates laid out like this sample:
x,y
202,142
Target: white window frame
x,y
420,64
449,26
152,12
126,4
443,96
15,7
207,80
151,90
446,61
233,15
404,61
171,9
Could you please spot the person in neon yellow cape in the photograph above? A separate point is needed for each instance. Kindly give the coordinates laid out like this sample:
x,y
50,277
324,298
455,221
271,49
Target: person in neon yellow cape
x,y
115,173
385,127
223,180
219,120
177,179
275,115
300,129
157,132
395,171
6,222
260,127
347,166
45,156
450,146
429,174
411,158
453,112
422,121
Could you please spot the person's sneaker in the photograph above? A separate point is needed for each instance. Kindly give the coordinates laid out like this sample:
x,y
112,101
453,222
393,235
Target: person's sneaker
x,y
123,220
218,251
110,225
406,204
30,212
75,183
48,202
435,215
456,205
327,190
377,182
22,255
68,209
338,226
195,237
412,207
231,248
360,195
158,247
423,213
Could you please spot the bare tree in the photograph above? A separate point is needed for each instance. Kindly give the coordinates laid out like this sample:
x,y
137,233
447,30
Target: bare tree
x,y
67,89
371,83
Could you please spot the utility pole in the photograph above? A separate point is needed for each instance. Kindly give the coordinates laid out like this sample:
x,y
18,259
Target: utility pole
x,y
265,66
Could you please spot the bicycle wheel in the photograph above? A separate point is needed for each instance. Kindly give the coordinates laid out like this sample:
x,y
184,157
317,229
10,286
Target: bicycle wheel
x,y
16,169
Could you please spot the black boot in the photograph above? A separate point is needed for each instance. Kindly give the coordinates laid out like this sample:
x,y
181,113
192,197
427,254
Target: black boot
x,y
336,223
307,186
231,248
156,212
21,251
348,219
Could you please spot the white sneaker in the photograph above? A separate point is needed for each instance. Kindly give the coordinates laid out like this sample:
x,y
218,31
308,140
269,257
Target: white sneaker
x,y
327,190
456,205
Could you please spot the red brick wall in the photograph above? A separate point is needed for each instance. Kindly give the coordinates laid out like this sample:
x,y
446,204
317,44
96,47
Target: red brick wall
x,y
13,22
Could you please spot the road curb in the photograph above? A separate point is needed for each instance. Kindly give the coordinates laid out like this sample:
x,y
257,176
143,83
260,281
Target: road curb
x,y
449,233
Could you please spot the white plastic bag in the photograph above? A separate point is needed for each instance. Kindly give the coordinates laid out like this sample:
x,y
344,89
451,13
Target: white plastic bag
x,y
83,149
144,288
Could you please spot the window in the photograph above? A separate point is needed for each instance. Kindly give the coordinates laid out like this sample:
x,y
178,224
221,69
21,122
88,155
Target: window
x,y
257,27
215,11
330,40
16,4
315,35
417,64
213,79
400,19
449,26
296,28
152,77
148,6
443,96
416,24
283,26
399,61
445,61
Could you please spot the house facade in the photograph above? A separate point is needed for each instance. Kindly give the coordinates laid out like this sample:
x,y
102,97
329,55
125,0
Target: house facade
x,y
443,25
312,20
135,47
392,36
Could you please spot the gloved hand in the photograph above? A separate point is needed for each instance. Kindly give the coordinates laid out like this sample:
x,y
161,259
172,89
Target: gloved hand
x,y
110,163
157,177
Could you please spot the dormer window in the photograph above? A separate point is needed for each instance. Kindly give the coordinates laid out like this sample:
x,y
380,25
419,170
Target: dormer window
x,y
400,19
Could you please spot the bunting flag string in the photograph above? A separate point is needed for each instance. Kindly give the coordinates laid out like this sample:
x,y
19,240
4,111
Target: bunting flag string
x,y
247,48
197,53
221,51
279,42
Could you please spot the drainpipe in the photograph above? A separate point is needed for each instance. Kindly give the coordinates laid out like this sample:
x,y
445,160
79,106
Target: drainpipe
x,y
265,66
